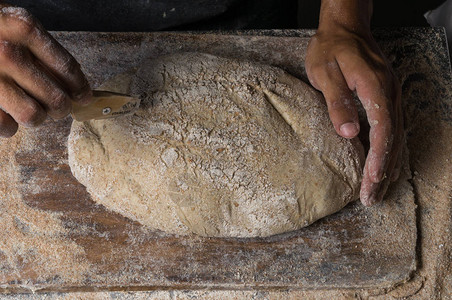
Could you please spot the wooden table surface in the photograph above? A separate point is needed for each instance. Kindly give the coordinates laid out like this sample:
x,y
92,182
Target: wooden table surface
x,y
355,248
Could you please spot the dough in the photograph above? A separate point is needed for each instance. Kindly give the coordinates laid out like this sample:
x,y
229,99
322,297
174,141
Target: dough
x,y
219,147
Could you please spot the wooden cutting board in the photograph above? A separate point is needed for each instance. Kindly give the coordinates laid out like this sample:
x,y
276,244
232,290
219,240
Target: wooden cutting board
x,y
57,239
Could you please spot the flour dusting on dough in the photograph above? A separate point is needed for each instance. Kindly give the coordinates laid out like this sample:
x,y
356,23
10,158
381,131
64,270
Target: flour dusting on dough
x,y
219,147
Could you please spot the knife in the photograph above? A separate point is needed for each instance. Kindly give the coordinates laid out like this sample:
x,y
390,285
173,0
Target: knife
x,y
105,105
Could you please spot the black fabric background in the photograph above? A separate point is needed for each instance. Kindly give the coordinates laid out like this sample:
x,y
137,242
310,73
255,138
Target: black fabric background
x,y
152,15
386,13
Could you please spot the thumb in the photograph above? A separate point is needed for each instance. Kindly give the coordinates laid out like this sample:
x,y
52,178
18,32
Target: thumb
x,y
339,99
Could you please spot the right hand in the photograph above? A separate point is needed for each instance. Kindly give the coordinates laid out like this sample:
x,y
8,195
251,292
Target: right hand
x,y
38,77
342,58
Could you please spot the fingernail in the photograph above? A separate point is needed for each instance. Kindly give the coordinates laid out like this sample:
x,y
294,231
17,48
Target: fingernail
x,y
369,200
372,200
369,196
349,129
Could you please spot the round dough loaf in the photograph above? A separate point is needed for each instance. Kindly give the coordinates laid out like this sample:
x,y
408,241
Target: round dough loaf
x,y
219,147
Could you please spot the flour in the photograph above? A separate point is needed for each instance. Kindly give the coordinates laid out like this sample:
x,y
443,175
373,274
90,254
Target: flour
x,y
219,147
33,244
17,12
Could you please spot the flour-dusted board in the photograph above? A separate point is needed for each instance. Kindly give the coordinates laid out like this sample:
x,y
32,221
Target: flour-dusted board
x,y
57,239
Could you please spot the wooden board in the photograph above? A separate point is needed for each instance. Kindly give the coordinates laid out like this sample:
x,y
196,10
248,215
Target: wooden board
x,y
100,250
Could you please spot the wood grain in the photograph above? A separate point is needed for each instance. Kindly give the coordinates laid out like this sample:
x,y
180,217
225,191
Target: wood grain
x,y
355,248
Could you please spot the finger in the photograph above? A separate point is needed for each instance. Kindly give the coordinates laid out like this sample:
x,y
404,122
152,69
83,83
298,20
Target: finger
x,y
35,80
62,64
369,192
25,110
372,93
373,192
8,127
339,99
368,188
23,27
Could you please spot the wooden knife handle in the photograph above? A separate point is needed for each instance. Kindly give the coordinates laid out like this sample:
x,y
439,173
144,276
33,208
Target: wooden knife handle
x,y
105,105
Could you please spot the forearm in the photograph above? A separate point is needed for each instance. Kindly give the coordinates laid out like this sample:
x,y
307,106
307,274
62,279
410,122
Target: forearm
x,y
351,15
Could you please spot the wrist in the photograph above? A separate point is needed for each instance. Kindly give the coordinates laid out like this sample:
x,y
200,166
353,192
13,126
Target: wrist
x,y
349,15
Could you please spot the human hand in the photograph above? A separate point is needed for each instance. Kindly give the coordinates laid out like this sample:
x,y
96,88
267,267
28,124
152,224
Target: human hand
x,y
38,77
343,58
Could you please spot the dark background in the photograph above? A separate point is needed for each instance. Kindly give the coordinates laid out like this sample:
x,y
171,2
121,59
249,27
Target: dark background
x,y
152,15
393,13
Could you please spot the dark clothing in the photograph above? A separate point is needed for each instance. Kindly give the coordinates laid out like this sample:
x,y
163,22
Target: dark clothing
x,y
390,13
152,15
